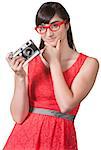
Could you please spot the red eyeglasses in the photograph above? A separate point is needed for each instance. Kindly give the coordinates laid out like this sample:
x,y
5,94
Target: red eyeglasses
x,y
41,29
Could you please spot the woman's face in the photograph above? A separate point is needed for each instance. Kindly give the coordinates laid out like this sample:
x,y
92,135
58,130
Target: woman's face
x,y
52,37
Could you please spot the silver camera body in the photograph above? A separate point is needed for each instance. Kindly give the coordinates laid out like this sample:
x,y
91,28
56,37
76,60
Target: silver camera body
x,y
28,50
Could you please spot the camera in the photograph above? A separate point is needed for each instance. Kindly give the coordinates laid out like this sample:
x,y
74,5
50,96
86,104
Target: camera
x,y
28,50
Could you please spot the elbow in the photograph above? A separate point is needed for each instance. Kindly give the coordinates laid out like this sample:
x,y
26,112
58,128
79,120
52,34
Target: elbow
x,y
18,118
18,121
65,109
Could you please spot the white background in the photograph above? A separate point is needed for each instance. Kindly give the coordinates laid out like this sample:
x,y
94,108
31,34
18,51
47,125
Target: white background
x,y
17,21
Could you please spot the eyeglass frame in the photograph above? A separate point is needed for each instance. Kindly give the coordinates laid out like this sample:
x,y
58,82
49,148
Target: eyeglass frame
x,y
48,26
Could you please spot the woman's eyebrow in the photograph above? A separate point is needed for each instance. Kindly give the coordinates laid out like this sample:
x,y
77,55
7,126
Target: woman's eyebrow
x,y
55,21
50,23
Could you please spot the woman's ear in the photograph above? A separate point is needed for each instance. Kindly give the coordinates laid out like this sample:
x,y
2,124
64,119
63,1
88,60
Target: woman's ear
x,y
67,25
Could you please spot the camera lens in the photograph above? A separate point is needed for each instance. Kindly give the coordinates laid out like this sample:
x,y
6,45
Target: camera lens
x,y
28,52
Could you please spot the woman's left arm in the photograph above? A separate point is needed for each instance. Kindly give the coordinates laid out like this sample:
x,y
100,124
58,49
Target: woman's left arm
x,y
82,84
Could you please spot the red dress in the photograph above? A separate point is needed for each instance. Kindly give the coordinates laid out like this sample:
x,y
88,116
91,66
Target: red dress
x,y
43,132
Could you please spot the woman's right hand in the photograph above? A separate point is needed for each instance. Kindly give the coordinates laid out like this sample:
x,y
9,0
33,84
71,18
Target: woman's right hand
x,y
16,64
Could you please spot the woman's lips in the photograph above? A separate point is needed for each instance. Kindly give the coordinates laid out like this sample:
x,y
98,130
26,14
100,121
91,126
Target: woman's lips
x,y
50,40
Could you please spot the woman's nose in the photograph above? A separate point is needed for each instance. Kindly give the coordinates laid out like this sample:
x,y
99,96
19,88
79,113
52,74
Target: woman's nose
x,y
49,32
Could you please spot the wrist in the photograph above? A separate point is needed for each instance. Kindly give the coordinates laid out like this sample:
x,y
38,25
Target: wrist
x,y
55,65
19,77
55,62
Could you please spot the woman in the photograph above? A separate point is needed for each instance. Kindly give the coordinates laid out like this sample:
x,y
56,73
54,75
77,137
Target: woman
x,y
48,91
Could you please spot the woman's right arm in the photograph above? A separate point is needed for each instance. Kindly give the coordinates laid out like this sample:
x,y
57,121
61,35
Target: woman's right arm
x,y
20,103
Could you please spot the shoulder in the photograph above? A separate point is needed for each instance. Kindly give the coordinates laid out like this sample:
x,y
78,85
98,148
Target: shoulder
x,y
93,61
88,72
91,64
89,69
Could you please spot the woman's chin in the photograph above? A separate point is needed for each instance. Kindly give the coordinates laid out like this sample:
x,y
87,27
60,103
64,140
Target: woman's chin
x,y
52,43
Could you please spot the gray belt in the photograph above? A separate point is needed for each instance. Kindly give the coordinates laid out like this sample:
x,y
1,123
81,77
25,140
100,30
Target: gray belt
x,y
52,113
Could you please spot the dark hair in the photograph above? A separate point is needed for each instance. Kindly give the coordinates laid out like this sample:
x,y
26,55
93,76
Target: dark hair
x,y
47,11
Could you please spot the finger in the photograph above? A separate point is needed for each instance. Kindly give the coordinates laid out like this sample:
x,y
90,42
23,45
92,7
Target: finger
x,y
17,66
58,44
18,61
42,51
9,56
9,59
21,65
15,59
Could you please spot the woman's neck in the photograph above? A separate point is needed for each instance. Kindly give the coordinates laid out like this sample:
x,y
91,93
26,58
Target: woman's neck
x,y
66,51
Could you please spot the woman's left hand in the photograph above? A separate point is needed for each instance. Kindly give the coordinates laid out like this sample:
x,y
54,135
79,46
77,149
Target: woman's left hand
x,y
51,54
